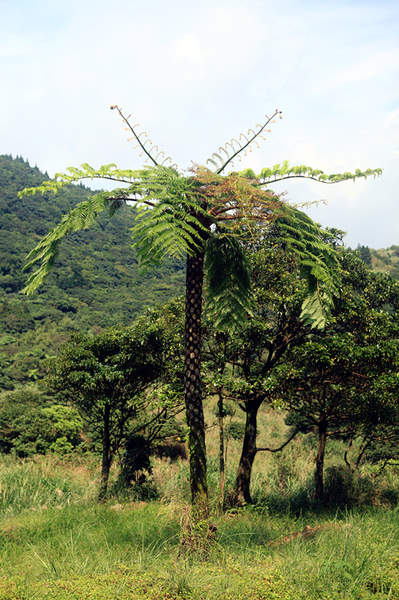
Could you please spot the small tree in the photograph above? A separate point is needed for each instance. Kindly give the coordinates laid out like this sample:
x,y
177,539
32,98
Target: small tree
x,y
240,364
344,380
198,216
106,376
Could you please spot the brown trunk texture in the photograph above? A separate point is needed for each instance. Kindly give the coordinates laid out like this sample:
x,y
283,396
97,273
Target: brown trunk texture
x,y
222,474
248,454
192,385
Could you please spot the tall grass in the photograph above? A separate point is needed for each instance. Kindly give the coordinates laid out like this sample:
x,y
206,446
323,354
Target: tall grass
x,y
56,541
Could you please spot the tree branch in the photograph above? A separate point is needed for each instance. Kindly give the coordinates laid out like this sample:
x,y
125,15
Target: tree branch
x,y
282,446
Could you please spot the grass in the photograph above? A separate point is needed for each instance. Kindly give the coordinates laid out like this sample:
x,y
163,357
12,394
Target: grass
x,y
57,542
91,549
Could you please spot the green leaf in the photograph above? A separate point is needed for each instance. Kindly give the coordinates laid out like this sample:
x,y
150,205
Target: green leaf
x,y
283,171
318,264
229,292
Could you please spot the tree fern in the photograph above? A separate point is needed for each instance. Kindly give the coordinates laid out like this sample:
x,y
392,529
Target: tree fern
x,y
176,217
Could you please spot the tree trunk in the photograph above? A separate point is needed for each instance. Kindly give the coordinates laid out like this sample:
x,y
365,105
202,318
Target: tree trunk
x,y
320,459
248,453
106,457
222,473
192,386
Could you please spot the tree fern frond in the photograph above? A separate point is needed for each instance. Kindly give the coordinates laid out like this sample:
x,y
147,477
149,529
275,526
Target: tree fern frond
x,y
283,171
237,146
141,182
163,231
318,263
176,209
153,148
81,217
229,291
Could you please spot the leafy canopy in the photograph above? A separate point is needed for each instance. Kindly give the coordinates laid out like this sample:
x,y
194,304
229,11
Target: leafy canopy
x,y
203,212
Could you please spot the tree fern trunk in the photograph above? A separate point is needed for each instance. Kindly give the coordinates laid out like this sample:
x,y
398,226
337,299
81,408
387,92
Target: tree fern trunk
x,y
192,385
222,466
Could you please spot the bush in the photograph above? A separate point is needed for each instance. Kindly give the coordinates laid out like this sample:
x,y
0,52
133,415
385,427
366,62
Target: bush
x,y
338,485
236,430
342,487
30,425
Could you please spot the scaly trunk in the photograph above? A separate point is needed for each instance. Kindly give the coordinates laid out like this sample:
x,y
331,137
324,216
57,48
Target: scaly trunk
x,y
222,474
248,454
320,459
192,386
106,457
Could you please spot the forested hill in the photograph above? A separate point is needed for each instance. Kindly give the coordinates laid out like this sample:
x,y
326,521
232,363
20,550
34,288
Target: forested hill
x,y
96,282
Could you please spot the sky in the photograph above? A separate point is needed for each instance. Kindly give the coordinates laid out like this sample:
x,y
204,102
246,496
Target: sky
x,y
196,74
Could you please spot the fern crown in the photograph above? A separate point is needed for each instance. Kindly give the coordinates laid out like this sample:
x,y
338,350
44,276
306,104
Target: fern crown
x,y
204,212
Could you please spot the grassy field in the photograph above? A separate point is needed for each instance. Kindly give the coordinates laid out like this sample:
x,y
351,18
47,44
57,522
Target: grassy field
x,y
57,542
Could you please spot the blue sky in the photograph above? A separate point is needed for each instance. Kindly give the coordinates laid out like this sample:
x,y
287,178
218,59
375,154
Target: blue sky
x,y
196,74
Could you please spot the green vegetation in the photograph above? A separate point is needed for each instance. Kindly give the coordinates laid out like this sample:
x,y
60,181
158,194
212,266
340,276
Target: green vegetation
x,y
31,424
386,261
270,533
57,542
95,283
205,217
344,381
107,379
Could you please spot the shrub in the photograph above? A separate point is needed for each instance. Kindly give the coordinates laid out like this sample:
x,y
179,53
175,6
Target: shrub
x,y
236,430
29,425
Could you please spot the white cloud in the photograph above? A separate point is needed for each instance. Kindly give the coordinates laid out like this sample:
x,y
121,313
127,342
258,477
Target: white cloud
x,y
189,50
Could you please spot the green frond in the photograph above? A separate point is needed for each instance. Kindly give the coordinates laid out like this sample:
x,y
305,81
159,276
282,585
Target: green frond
x,y
316,309
140,181
229,291
283,171
167,230
172,227
318,264
81,217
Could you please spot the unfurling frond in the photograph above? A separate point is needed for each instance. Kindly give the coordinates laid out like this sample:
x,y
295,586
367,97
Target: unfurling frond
x,y
229,293
152,150
283,171
234,148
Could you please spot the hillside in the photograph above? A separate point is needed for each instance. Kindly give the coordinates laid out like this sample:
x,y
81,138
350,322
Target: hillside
x,y
386,261
96,282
